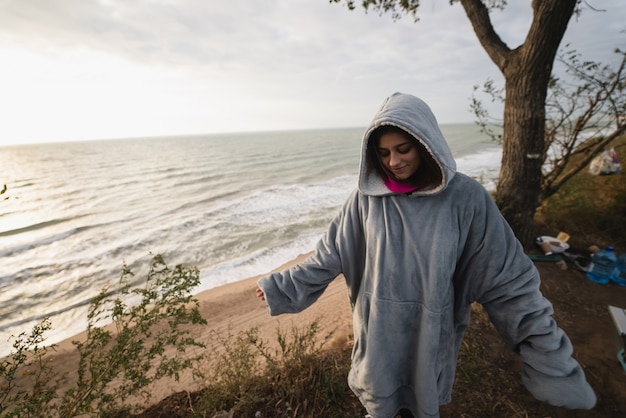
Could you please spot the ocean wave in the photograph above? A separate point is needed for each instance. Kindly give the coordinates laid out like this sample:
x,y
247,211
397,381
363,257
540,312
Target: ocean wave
x,y
48,314
42,242
277,204
259,262
34,227
204,202
195,181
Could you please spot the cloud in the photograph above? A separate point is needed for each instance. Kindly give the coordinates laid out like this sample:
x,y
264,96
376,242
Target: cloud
x,y
87,68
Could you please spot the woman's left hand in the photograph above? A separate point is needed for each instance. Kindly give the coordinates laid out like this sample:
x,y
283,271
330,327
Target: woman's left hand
x,y
260,294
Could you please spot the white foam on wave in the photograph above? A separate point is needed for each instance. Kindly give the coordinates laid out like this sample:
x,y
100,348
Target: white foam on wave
x,y
484,166
280,204
259,262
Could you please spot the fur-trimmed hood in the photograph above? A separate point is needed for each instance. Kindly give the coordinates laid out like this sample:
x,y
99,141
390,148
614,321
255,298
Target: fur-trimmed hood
x,y
414,116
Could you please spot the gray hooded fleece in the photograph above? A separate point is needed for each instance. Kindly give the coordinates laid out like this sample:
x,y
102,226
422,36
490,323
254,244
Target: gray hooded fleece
x,y
413,265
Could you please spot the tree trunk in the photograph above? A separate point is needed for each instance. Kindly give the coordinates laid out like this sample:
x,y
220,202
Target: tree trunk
x,y
526,71
519,185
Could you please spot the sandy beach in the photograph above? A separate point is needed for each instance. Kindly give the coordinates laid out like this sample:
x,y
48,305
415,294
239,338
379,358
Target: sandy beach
x,y
233,308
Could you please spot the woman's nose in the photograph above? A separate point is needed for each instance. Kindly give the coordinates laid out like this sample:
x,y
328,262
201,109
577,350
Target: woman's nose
x,y
394,159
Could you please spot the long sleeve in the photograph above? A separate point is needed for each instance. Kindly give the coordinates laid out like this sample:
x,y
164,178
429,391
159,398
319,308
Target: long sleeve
x,y
508,288
295,289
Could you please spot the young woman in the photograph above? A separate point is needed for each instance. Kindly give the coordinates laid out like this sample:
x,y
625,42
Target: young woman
x,y
418,243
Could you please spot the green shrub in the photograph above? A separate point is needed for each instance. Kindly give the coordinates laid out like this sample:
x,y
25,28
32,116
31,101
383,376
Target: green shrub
x,y
28,359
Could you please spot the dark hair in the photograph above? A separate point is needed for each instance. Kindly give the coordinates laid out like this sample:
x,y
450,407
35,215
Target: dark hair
x,y
427,175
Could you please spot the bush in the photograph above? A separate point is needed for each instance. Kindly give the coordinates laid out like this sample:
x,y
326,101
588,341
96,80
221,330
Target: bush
x,y
27,361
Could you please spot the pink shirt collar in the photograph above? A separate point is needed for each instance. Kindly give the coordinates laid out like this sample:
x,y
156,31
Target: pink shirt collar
x,y
397,187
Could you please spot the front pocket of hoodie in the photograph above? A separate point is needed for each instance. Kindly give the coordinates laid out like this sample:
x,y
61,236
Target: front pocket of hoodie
x,y
400,344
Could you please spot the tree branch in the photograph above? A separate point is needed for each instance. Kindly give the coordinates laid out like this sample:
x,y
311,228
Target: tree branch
x,y
550,20
595,150
478,15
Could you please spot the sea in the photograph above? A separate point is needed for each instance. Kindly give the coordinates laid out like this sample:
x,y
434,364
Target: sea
x,y
232,205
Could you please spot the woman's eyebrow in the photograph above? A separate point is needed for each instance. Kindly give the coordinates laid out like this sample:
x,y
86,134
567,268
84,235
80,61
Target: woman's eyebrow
x,y
396,146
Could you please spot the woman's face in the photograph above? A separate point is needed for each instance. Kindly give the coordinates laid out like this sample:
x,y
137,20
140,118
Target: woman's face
x,y
399,155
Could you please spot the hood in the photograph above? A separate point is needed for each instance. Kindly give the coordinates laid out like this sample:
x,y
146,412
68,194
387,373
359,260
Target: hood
x,y
415,117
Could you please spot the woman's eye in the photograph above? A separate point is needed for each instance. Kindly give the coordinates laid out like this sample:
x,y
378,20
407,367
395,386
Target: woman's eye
x,y
383,153
404,150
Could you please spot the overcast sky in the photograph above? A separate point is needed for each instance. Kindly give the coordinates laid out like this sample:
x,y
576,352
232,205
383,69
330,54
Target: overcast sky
x,y
84,69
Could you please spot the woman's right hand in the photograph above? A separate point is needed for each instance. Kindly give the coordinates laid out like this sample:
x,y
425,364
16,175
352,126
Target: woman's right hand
x,y
260,294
